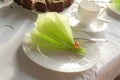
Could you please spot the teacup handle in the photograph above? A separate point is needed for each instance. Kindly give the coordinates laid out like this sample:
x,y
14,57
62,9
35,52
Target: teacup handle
x,y
101,11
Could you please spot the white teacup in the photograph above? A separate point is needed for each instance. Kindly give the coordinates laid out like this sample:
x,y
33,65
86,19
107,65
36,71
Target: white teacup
x,y
88,12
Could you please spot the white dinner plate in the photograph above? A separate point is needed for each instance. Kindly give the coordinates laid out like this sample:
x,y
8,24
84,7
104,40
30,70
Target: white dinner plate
x,y
62,61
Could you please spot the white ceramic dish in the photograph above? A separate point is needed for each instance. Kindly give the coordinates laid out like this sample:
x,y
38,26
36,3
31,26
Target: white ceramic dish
x,y
96,26
62,61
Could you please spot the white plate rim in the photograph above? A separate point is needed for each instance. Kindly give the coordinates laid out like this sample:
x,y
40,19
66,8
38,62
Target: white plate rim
x,y
31,58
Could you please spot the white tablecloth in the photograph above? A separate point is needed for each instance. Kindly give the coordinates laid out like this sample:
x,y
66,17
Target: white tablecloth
x,y
15,65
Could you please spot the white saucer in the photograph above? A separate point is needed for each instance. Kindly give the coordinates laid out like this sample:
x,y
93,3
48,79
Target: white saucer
x,y
97,26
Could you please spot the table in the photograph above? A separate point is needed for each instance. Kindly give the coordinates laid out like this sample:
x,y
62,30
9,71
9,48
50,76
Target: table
x,y
15,65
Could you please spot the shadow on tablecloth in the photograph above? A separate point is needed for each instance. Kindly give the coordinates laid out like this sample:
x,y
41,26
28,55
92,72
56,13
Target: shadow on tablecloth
x,y
118,77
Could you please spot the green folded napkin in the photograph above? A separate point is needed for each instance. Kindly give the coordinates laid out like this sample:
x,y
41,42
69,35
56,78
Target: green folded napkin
x,y
116,4
53,32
